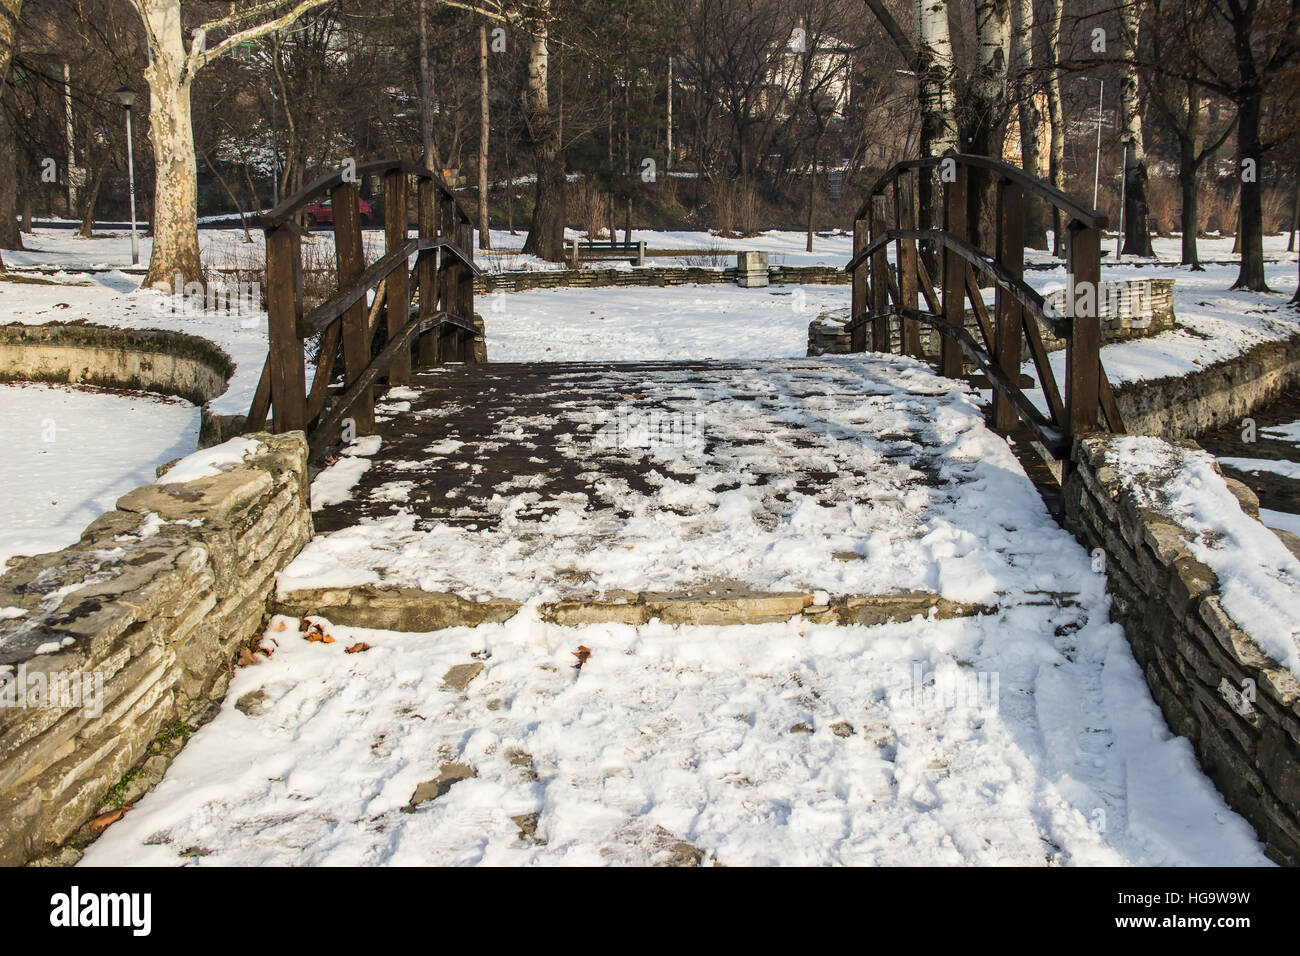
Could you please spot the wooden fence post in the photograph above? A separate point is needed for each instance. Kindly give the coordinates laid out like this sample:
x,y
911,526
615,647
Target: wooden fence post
x,y
905,255
1083,348
283,303
465,292
427,271
351,260
858,337
398,284
954,271
879,280
1011,256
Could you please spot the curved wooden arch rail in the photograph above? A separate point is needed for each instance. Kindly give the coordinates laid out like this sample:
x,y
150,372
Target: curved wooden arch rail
x,y
426,313
885,293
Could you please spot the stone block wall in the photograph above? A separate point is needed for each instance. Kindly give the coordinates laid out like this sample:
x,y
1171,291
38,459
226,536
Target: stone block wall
x,y
1129,310
1239,709
666,276
138,626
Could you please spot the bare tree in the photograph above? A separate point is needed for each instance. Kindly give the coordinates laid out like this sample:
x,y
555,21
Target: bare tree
x,y
170,75
10,238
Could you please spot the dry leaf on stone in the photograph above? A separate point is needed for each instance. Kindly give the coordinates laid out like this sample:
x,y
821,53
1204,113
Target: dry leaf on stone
x,y
100,823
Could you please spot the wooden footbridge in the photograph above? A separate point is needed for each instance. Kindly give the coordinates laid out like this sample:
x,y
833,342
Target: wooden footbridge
x,y
422,317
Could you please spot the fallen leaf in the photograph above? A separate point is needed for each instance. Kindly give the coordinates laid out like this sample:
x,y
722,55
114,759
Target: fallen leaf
x,y
357,648
246,658
281,625
100,823
583,653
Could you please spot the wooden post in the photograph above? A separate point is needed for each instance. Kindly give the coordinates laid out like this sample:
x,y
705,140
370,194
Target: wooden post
x,y
351,259
398,283
283,305
1083,348
905,255
448,276
465,298
879,280
1011,256
427,271
954,272
858,337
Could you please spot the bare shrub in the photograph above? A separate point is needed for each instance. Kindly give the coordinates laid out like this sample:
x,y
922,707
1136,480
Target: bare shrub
x,y
589,208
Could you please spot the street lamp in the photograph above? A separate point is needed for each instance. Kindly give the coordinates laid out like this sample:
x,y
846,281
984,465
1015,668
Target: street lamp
x,y
126,99
1096,176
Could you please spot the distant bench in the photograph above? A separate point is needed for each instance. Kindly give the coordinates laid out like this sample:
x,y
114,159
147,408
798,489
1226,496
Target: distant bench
x,y
583,249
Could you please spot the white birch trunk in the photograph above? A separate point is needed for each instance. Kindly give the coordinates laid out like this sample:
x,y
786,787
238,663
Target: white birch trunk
x,y
1056,160
175,224
1137,241
934,78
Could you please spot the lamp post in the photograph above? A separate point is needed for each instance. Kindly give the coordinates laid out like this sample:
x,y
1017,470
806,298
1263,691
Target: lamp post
x,y
126,98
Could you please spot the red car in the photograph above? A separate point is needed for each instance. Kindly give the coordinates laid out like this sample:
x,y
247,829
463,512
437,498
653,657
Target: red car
x,y
322,213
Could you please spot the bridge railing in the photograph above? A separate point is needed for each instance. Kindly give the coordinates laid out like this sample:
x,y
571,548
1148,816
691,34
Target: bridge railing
x,y
883,294
426,314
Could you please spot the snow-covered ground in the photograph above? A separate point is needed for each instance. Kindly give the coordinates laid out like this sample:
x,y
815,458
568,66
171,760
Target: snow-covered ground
x,y
70,453
1025,738
847,474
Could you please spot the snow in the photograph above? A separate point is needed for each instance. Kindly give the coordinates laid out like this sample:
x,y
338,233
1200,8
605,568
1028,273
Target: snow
x,y
207,462
1283,520
1023,738
1287,469
1289,432
677,322
904,473
1259,579
71,453
334,484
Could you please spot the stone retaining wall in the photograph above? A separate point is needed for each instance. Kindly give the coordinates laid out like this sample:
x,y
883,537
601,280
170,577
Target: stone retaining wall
x,y
1129,309
146,615
148,360
667,276
1239,709
151,360
1187,405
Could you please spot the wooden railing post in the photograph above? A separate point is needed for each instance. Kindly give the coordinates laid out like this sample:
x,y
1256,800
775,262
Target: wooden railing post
x,y
879,280
398,284
427,271
465,292
351,259
1083,348
905,255
1011,256
954,271
858,337
284,306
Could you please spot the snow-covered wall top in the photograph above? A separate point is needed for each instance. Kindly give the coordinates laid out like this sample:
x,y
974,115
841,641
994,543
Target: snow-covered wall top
x,y
1210,601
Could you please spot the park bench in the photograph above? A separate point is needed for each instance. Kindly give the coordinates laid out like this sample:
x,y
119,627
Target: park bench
x,y
582,249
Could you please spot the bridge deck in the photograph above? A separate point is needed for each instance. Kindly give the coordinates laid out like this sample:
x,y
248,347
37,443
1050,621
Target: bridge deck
x,y
850,475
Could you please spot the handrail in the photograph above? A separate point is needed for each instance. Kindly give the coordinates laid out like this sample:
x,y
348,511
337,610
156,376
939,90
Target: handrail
x,y
879,296
1067,204
1024,293
331,181
425,312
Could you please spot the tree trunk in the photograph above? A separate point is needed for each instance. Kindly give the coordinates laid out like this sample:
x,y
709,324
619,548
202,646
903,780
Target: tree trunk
x,y
1137,238
1056,159
1250,232
546,234
1187,170
484,236
1190,216
986,110
89,197
10,238
934,71
429,148
1031,124
175,222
